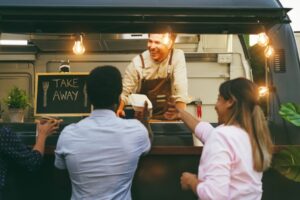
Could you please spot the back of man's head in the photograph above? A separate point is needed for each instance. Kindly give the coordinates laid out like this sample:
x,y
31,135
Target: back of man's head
x,y
104,86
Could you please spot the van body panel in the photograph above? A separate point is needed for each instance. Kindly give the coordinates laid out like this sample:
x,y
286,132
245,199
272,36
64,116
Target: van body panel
x,y
216,16
146,4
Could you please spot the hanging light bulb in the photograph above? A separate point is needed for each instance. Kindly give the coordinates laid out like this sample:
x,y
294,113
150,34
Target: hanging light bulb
x,y
78,47
263,39
269,51
166,39
263,91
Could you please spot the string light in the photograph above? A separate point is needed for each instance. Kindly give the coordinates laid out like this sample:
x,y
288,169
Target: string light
x,y
78,47
166,39
269,51
263,39
263,91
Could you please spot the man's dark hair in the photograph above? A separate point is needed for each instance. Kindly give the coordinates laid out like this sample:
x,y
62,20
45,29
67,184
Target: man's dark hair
x,y
104,86
166,29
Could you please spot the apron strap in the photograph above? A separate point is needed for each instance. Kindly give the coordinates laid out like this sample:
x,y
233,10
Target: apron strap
x,y
142,59
143,66
170,64
171,56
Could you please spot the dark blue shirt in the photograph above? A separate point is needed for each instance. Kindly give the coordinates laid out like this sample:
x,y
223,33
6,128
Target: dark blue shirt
x,y
14,151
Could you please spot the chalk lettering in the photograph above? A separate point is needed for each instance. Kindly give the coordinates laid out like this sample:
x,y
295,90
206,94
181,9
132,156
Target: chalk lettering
x,y
67,83
65,96
75,95
56,82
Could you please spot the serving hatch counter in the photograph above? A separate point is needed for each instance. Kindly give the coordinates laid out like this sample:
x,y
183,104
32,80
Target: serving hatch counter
x,y
157,176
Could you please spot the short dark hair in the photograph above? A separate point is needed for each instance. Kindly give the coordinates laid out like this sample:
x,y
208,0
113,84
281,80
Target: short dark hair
x,y
166,29
104,86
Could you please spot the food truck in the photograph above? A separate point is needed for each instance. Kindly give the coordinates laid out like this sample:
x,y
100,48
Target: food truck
x,y
214,36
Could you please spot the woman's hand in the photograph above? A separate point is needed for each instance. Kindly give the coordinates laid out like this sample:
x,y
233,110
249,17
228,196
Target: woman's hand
x,y
46,127
172,113
189,181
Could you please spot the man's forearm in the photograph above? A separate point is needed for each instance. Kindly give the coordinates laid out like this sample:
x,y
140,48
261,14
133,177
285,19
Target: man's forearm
x,y
180,105
121,105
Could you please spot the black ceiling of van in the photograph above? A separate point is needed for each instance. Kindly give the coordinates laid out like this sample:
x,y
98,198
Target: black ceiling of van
x,y
119,16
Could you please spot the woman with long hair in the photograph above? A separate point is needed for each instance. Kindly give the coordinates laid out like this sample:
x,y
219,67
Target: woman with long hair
x,y
237,151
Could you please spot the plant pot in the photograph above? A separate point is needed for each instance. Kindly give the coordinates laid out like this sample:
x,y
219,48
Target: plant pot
x,y
16,115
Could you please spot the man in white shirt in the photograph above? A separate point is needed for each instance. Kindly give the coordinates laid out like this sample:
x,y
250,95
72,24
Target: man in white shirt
x,y
101,152
160,73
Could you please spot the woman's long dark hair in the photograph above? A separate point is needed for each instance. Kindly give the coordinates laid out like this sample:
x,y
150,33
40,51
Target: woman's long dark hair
x,y
248,115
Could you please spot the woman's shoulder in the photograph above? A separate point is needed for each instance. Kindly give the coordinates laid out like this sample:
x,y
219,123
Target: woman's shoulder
x,y
230,131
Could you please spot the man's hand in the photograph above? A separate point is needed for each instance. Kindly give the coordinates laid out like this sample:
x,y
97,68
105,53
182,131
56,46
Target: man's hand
x,y
172,112
143,115
120,113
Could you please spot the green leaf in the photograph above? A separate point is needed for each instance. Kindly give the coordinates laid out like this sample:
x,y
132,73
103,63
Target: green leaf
x,y
291,113
17,98
287,162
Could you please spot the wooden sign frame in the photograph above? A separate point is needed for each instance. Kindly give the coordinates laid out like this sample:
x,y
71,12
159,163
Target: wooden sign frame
x,y
67,92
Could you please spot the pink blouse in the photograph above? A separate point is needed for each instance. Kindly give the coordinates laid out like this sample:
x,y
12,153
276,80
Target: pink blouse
x,y
226,165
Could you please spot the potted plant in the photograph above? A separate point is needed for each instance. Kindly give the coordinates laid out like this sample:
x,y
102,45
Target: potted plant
x,y
17,101
287,160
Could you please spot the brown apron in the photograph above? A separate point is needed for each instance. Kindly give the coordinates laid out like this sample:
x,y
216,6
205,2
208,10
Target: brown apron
x,y
158,90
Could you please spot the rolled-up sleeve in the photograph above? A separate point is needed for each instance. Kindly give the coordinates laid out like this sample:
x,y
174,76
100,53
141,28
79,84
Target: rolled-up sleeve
x,y
180,83
130,82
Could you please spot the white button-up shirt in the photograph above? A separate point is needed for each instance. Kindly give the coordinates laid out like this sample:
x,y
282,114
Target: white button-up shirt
x,y
134,74
226,165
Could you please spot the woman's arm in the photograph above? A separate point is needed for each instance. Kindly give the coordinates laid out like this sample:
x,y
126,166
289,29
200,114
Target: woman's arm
x,y
188,119
45,128
14,149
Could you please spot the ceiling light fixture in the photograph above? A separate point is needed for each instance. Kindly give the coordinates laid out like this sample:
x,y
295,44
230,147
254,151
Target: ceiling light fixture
x,y
14,42
78,47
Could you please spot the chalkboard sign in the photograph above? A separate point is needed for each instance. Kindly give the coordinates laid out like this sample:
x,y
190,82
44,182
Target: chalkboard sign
x,y
61,94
